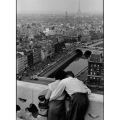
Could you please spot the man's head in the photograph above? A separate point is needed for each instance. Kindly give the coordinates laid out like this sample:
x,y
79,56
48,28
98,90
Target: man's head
x,y
60,75
70,74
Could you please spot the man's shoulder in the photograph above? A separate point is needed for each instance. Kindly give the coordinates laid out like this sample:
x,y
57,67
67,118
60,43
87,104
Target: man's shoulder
x,y
65,80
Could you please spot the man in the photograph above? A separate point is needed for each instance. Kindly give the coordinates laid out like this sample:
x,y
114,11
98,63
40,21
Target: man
x,y
56,109
78,92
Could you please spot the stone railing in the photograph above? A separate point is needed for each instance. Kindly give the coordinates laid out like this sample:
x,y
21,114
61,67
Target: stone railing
x,y
28,93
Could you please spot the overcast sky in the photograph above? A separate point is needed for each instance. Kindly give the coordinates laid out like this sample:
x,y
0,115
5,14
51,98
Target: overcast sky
x,y
59,6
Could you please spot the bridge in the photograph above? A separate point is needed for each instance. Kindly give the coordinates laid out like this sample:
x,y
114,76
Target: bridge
x,y
95,44
91,47
66,60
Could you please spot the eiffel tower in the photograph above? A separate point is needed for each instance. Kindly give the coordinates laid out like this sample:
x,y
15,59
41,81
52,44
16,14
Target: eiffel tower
x,y
79,10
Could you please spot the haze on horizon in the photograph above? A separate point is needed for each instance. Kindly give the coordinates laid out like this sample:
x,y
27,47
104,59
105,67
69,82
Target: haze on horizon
x,y
59,6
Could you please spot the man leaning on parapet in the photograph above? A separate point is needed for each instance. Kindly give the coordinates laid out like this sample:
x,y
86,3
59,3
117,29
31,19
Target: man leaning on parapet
x,y
78,93
56,109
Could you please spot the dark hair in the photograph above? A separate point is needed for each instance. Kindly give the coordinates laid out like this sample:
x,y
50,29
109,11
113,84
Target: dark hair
x,y
70,73
60,75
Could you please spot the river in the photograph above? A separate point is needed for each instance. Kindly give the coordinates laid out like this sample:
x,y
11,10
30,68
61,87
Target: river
x,y
77,65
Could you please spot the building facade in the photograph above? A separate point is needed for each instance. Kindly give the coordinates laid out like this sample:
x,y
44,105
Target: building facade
x,y
95,79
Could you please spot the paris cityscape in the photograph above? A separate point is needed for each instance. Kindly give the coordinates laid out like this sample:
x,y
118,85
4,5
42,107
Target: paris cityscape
x,y
44,33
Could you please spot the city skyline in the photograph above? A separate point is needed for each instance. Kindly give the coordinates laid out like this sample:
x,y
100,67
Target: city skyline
x,y
59,6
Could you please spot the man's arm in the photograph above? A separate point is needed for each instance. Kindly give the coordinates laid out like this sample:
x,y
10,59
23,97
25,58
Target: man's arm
x,y
48,94
58,91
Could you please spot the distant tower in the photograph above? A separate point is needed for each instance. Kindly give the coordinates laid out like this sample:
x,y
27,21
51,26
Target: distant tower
x,y
79,11
66,15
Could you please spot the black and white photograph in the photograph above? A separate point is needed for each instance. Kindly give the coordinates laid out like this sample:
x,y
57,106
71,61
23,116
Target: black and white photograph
x,y
59,60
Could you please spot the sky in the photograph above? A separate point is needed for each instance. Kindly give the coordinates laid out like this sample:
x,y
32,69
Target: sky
x,y
59,6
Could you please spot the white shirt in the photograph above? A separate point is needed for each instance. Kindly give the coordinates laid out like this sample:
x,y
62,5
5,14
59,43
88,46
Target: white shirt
x,y
52,86
71,85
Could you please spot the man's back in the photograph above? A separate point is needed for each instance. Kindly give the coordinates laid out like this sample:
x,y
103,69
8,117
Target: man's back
x,y
53,86
73,85
70,85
